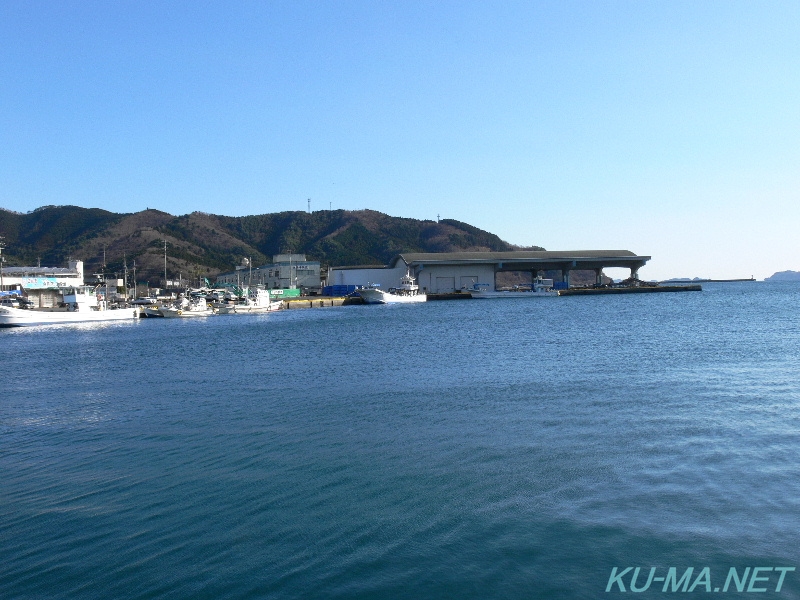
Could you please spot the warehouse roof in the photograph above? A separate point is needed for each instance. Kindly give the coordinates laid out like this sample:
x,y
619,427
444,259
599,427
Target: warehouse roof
x,y
528,259
523,255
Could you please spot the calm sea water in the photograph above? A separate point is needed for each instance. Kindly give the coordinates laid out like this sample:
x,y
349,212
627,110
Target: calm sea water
x,y
484,449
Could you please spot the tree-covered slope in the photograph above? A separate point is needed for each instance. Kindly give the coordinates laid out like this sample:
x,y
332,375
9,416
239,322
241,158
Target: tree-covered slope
x,y
201,244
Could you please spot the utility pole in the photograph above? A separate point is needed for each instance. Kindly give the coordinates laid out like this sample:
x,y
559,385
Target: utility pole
x,y
309,206
165,263
2,245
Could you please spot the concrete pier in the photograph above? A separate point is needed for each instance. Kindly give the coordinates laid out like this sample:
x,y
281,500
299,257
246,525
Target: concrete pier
x,y
321,301
452,296
629,290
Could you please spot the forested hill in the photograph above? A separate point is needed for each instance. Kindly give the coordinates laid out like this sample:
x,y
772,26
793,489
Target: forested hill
x,y
201,244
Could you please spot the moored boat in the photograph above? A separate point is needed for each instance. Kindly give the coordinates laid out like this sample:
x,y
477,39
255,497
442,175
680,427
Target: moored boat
x,y
540,288
257,302
406,292
185,307
81,305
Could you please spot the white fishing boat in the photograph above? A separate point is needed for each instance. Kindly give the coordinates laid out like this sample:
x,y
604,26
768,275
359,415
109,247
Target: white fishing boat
x,y
150,312
406,292
81,305
540,288
148,308
185,307
257,302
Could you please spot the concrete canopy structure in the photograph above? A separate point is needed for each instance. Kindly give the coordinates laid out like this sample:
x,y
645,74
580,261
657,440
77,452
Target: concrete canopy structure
x,y
448,271
542,260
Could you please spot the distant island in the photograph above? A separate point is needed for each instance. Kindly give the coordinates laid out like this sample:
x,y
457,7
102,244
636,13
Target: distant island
x,y
785,276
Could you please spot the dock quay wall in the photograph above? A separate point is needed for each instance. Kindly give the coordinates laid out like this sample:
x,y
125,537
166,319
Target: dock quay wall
x,y
321,301
450,296
629,290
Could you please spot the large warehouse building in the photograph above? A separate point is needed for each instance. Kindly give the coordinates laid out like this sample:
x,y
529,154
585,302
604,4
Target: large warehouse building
x,y
440,273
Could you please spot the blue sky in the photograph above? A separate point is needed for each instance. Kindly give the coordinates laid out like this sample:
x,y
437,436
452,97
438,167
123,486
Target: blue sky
x,y
666,128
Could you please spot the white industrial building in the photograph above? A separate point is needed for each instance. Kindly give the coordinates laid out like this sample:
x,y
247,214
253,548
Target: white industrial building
x,y
287,271
441,273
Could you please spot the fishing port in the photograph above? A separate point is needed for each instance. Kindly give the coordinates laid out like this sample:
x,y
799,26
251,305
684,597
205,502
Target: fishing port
x,y
42,295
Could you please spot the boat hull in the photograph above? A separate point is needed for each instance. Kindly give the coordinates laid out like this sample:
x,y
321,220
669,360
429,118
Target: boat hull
x,y
170,313
373,296
17,317
244,309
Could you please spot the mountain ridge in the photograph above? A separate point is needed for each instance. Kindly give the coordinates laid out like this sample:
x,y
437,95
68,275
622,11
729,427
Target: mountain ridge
x,y
202,244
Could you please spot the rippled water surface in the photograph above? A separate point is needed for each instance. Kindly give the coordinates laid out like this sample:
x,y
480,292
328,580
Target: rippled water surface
x,y
484,449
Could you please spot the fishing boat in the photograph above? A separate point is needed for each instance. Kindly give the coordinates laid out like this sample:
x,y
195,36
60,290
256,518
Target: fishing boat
x,y
257,302
406,292
539,288
81,305
196,306
148,308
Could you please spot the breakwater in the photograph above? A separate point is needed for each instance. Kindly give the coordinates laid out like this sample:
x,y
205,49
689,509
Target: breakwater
x,y
630,290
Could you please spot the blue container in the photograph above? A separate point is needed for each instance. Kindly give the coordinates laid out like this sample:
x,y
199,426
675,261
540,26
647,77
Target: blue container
x,y
338,290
